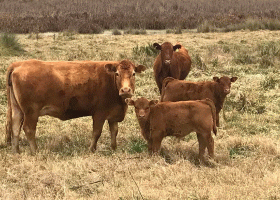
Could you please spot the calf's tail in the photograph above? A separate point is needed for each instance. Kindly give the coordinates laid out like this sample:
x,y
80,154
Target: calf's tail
x,y
164,84
213,109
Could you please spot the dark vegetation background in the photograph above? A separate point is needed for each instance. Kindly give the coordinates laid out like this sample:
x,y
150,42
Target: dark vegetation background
x,y
93,16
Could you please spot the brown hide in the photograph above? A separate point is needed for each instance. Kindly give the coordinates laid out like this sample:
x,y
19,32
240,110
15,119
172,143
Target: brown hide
x,y
171,63
68,90
180,90
158,120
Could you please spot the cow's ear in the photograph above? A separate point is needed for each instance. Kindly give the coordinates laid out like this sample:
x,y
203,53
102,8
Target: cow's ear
x,y
110,68
177,46
140,68
153,102
215,78
233,79
157,46
129,101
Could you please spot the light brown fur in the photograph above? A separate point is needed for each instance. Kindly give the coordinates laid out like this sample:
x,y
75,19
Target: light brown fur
x,y
158,120
178,67
181,90
67,90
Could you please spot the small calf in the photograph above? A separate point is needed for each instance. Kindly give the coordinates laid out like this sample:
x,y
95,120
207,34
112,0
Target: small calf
x,y
158,120
180,90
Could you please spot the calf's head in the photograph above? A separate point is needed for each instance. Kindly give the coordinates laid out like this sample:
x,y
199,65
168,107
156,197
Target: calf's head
x,y
142,107
167,50
224,84
124,75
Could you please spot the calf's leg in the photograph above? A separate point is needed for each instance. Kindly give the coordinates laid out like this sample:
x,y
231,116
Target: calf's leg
x,y
210,145
202,145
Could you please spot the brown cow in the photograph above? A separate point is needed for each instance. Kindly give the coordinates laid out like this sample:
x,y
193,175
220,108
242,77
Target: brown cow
x,y
158,120
180,90
171,63
68,90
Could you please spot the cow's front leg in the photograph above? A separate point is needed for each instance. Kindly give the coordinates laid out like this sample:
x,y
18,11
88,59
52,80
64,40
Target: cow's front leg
x,y
98,122
114,132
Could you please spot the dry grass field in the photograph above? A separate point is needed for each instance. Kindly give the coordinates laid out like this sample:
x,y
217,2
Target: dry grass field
x,y
247,146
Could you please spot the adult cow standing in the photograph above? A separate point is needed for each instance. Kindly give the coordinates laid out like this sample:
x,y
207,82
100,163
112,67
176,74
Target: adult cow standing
x,y
171,63
67,90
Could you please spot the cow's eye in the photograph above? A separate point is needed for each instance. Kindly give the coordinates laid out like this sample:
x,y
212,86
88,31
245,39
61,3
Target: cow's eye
x,y
133,74
117,74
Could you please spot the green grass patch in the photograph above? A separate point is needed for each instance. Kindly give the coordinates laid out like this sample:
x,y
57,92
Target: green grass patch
x,y
137,145
10,45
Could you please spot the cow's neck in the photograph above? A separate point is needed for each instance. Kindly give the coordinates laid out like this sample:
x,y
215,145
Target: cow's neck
x,y
219,96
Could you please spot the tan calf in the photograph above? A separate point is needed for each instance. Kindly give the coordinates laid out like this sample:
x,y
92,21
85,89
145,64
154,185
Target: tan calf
x,y
158,120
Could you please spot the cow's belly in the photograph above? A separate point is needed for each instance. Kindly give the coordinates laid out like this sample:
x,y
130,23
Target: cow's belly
x,y
63,115
51,111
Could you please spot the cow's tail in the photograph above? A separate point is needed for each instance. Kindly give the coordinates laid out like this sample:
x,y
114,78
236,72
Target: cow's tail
x,y
213,109
164,84
9,108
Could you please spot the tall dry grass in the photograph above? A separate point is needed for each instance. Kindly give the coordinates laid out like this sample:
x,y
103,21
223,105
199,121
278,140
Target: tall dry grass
x,y
247,150
94,16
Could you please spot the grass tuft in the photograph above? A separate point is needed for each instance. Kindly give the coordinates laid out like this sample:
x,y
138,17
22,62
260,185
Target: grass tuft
x,y
10,45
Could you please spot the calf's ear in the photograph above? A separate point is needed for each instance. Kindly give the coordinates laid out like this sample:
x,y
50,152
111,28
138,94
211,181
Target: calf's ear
x,y
153,102
177,46
157,46
110,68
215,78
129,101
140,68
233,79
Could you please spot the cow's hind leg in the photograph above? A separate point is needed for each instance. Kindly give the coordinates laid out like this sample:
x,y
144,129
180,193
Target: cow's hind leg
x,y
202,143
114,132
210,145
98,122
16,123
29,127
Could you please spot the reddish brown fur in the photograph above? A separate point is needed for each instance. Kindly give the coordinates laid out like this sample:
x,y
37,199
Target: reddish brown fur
x,y
158,120
68,90
171,63
180,90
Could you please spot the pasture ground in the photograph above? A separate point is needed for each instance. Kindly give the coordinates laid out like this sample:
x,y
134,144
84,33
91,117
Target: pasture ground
x,y
247,146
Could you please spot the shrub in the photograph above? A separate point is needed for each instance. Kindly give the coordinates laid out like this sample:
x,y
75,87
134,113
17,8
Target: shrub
x,y
10,45
197,61
135,32
148,50
269,83
206,27
116,32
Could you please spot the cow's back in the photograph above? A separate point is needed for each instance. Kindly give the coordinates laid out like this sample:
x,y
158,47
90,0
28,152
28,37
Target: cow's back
x,y
182,117
64,89
180,90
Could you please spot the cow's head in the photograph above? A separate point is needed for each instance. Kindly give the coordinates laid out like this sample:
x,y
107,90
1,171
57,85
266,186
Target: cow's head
x,y
167,50
142,107
124,74
224,84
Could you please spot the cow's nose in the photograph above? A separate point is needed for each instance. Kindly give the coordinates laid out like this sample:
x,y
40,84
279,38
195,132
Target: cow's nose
x,y
227,91
167,62
125,92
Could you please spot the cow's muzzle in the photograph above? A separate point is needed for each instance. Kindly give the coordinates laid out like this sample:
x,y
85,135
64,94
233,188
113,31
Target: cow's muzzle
x,y
167,62
126,92
226,91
